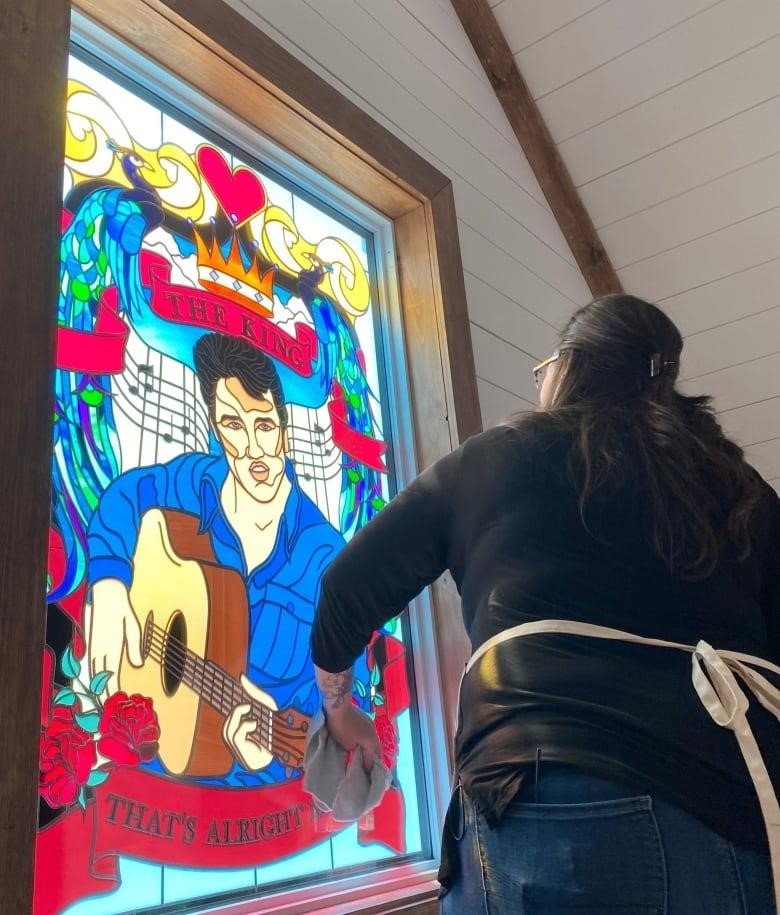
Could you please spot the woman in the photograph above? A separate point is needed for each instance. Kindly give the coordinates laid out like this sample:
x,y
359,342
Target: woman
x,y
592,780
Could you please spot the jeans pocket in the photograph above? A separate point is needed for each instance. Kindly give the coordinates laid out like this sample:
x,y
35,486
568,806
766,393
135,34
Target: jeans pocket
x,y
602,857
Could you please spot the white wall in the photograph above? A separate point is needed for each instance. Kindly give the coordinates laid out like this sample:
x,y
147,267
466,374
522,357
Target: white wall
x,y
667,114
409,64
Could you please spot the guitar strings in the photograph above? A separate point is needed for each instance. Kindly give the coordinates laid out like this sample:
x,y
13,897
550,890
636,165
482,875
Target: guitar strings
x,y
264,736
209,691
161,641
170,646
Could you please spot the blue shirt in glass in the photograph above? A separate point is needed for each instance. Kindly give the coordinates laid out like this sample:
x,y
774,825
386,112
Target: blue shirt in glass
x,y
282,591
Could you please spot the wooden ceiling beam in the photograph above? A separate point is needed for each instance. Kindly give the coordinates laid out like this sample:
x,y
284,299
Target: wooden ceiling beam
x,y
539,147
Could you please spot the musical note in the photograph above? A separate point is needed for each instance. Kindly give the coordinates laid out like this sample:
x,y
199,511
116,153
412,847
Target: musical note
x,y
160,398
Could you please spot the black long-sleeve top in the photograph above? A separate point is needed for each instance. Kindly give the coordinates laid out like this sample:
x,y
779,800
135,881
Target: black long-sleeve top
x,y
501,513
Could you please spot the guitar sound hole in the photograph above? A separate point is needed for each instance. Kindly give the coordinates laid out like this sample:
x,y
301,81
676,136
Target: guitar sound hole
x,y
174,653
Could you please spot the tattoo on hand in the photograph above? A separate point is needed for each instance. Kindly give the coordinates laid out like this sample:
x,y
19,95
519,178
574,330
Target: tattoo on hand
x,y
336,688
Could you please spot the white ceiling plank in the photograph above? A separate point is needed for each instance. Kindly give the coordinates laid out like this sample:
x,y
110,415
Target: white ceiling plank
x,y
732,344
765,457
722,301
496,404
455,67
524,22
499,362
740,385
512,278
757,423
738,247
711,34
433,96
527,236
734,143
701,211
610,30
719,93
508,319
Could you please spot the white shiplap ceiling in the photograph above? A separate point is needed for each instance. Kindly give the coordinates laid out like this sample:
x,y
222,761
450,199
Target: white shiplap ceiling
x,y
667,115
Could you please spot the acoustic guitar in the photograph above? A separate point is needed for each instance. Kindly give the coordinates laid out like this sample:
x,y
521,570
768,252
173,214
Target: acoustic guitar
x,y
194,617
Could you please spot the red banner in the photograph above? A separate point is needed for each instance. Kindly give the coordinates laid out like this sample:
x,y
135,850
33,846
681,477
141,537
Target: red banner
x,y
101,351
362,447
187,305
186,824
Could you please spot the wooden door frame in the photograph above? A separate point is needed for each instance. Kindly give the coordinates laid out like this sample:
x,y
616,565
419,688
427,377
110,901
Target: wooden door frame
x,y
213,48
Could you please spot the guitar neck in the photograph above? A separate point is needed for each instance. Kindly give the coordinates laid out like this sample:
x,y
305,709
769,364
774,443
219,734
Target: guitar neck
x,y
224,693
283,734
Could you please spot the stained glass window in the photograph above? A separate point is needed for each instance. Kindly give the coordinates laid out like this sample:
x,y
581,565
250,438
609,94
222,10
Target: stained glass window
x,y
220,431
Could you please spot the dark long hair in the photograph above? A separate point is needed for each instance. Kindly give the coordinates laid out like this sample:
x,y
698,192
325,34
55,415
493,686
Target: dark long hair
x,y
614,389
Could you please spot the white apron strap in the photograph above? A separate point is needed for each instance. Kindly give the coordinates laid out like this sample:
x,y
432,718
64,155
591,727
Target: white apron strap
x,y
720,694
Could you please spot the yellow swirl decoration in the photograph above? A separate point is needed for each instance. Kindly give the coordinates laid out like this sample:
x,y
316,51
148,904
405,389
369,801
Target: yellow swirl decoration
x,y
178,181
91,122
173,172
281,243
348,279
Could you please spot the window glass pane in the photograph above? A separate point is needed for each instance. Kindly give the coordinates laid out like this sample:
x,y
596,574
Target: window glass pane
x,y
219,434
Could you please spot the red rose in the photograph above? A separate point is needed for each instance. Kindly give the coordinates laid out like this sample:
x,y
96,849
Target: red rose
x,y
130,729
388,739
67,756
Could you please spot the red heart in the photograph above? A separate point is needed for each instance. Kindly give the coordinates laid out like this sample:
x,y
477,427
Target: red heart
x,y
239,191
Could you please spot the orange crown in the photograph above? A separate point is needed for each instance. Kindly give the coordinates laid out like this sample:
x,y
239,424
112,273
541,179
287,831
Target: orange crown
x,y
228,278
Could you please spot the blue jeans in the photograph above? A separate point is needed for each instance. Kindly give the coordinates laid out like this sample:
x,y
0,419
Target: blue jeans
x,y
585,846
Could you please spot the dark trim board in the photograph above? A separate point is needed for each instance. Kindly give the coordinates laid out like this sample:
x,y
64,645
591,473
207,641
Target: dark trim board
x,y
521,110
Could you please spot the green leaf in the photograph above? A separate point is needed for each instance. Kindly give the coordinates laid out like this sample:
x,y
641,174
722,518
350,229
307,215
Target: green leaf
x,y
89,721
353,475
65,697
360,688
375,677
80,289
99,682
392,625
92,398
70,666
379,700
97,777
83,799
378,504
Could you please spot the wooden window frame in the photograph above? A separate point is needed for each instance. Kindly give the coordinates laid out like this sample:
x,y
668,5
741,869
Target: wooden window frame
x,y
212,48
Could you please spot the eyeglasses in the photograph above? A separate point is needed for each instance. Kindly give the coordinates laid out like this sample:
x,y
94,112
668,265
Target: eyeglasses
x,y
541,370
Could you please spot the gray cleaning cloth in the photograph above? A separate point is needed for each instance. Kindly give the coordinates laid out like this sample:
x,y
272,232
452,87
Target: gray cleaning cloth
x,y
347,791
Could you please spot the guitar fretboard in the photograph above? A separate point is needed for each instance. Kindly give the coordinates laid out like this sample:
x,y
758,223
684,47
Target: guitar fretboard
x,y
211,683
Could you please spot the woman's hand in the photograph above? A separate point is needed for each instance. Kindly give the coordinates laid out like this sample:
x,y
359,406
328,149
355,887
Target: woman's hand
x,y
347,725
350,728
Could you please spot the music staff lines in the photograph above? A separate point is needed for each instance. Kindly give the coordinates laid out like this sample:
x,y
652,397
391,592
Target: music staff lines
x,y
168,410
